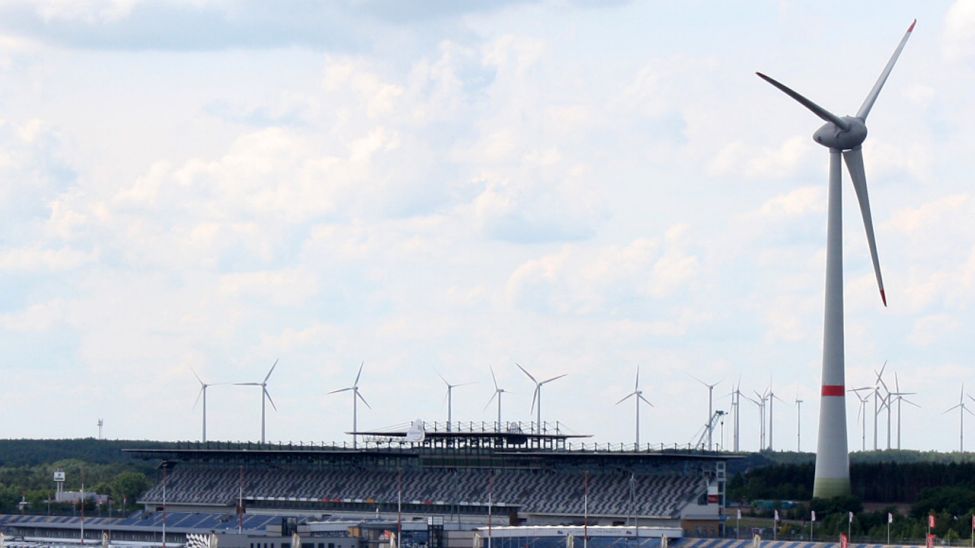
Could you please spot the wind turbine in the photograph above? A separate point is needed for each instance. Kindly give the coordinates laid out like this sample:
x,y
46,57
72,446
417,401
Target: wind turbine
x,y
879,402
203,394
637,396
497,394
900,398
862,414
762,400
736,406
843,136
962,409
537,396
264,394
707,423
450,388
761,420
771,400
356,396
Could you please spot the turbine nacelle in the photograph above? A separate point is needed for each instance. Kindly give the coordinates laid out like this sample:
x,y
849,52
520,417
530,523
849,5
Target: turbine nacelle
x,y
832,136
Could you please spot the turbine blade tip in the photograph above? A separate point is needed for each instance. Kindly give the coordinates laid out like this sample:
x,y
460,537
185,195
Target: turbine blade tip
x,y
883,297
911,28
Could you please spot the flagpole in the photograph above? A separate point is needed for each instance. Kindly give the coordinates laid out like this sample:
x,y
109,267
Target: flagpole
x,y
849,528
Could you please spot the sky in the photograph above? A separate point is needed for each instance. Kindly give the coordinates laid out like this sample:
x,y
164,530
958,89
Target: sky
x,y
439,188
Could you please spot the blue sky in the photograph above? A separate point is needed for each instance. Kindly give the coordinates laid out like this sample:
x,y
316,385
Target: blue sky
x,y
581,187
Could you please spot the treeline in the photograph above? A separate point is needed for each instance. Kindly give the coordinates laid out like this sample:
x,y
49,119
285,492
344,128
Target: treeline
x,y
875,482
33,452
27,474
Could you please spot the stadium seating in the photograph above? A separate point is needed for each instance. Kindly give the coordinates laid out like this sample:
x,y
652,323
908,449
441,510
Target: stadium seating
x,y
611,493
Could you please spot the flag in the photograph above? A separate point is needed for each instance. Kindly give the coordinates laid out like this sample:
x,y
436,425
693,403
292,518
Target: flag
x,y
890,517
776,515
851,517
813,519
931,521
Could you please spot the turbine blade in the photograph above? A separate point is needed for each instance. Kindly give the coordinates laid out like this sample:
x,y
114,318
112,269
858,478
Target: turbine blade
x,y
341,390
491,400
525,371
359,374
358,395
897,384
198,395
197,376
646,401
268,394
248,384
626,397
557,377
271,371
907,401
854,162
816,109
872,96
952,408
493,378
443,379
534,397
637,385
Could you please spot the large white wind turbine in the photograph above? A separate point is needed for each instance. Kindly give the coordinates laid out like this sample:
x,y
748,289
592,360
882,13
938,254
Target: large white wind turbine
x,y
497,394
843,136
962,409
203,394
637,396
537,395
450,399
356,396
265,396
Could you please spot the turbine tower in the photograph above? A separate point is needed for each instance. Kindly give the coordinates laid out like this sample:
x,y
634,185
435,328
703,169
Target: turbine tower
x,y
450,389
203,394
356,396
637,396
497,394
843,136
537,395
962,409
707,423
798,424
265,395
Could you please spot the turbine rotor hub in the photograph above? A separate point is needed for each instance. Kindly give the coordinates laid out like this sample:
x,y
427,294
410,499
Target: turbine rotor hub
x,y
832,136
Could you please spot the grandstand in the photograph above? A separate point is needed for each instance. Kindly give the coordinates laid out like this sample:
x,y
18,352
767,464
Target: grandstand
x,y
464,476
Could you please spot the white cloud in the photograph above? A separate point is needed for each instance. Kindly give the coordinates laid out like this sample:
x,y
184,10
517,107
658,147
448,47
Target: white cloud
x,y
959,36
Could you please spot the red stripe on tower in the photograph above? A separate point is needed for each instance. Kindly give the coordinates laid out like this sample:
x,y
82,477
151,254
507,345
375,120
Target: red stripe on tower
x,y
834,390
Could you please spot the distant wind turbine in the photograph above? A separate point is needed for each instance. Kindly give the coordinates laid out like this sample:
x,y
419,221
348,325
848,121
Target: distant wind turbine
x,y
637,395
707,423
497,394
537,396
450,399
203,394
356,396
962,409
862,413
900,398
265,395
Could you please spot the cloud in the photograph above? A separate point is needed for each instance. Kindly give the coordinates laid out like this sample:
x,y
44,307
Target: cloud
x,y
959,34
